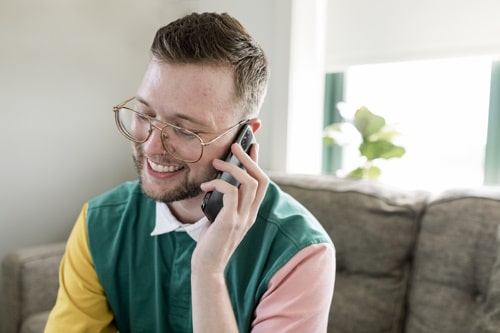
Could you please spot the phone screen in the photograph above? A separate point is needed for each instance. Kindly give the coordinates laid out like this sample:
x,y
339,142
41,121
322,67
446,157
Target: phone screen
x,y
212,202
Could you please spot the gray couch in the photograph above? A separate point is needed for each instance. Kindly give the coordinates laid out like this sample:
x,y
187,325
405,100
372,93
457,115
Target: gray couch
x,y
407,261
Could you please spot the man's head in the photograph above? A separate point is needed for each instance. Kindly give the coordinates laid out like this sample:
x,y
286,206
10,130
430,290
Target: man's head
x,y
207,77
217,40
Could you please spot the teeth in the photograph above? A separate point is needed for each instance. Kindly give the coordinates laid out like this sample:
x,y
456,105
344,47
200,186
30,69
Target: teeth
x,y
164,168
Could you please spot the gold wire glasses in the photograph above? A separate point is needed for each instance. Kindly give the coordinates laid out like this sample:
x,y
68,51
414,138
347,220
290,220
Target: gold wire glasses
x,y
179,142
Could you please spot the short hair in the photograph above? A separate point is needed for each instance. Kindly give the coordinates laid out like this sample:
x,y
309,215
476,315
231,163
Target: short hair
x,y
218,40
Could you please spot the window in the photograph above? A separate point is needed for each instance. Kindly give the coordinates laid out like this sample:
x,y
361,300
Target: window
x,y
441,109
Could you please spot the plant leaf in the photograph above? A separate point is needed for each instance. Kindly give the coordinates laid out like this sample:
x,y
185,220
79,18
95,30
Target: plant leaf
x,y
368,123
373,172
356,173
340,134
380,149
327,140
396,151
388,132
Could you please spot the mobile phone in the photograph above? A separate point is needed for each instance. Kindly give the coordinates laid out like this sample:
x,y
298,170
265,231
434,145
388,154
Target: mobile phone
x,y
212,202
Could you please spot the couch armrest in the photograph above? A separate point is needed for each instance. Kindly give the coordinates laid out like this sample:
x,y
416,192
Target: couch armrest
x,y
30,281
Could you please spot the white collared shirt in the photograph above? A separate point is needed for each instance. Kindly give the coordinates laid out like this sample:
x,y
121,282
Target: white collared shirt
x,y
166,222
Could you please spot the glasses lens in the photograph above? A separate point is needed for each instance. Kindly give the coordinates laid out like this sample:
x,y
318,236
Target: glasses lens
x,y
182,144
133,125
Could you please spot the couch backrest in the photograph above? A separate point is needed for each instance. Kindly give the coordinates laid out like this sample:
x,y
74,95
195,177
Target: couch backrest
x,y
30,279
456,280
374,229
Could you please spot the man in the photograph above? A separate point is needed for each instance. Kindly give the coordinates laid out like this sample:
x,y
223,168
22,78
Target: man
x,y
144,258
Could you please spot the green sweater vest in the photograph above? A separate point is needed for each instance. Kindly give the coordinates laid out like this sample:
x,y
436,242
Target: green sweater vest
x,y
147,278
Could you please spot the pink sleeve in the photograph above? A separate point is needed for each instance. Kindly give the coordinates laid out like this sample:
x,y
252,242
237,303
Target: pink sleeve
x,y
299,295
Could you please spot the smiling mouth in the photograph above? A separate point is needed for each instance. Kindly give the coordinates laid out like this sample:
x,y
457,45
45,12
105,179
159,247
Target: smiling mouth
x,y
164,168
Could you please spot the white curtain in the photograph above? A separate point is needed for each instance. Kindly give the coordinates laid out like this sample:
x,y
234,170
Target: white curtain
x,y
368,31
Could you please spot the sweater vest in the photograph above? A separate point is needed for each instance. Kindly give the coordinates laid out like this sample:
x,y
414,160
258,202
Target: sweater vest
x,y
147,279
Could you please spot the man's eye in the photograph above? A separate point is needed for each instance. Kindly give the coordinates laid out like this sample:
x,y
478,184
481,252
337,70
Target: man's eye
x,y
141,118
184,133
144,111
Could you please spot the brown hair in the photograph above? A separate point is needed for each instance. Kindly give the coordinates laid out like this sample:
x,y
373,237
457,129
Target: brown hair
x,y
219,40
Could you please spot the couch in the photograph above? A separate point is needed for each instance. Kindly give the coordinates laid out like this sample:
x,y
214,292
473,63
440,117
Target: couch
x,y
407,261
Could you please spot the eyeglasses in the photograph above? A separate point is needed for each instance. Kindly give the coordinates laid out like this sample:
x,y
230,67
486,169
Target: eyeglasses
x,y
179,142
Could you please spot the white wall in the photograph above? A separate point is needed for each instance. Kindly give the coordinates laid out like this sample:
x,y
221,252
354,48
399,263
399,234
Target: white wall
x,y
63,65
306,87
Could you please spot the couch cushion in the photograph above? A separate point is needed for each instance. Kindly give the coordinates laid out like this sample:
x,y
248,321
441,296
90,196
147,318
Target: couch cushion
x,y
488,319
455,253
30,278
374,230
35,323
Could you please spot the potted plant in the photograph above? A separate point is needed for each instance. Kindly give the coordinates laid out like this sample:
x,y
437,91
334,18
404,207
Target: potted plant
x,y
376,141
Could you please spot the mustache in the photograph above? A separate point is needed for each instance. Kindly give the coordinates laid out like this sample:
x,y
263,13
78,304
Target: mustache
x,y
165,158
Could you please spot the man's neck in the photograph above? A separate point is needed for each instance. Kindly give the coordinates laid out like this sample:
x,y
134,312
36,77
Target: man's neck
x,y
187,211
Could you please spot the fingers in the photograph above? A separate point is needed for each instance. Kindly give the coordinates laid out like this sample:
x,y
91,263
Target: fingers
x,y
253,177
238,214
253,190
245,200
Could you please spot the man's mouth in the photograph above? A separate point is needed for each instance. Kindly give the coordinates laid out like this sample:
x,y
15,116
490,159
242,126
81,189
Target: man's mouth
x,y
164,168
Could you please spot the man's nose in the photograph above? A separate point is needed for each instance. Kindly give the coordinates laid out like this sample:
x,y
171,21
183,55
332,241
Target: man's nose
x,y
154,143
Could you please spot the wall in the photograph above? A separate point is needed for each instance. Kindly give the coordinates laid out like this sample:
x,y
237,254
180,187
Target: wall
x,y
306,87
63,65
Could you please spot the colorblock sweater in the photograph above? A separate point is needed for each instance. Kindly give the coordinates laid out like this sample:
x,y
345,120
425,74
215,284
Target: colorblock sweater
x,y
115,275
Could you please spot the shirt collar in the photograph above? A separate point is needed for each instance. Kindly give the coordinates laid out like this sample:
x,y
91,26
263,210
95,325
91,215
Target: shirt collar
x,y
166,222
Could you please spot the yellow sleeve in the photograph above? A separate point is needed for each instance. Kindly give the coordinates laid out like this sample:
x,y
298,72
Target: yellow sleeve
x,y
81,304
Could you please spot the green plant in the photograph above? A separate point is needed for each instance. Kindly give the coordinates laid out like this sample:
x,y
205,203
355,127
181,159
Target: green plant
x,y
376,141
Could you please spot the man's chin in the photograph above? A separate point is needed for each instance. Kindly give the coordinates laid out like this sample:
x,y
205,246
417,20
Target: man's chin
x,y
183,191
168,191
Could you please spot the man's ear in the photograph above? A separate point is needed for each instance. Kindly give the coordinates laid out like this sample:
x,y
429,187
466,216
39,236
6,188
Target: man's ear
x,y
255,124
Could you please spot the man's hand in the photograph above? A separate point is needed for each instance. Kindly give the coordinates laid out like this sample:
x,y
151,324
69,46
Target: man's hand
x,y
212,309
237,216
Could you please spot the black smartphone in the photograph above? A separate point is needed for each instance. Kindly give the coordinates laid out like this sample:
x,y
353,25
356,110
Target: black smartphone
x,y
212,202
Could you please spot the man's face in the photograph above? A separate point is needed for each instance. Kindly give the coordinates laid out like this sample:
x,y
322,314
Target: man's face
x,y
196,97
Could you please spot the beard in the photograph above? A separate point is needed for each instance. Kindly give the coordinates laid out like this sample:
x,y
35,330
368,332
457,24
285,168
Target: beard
x,y
186,189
